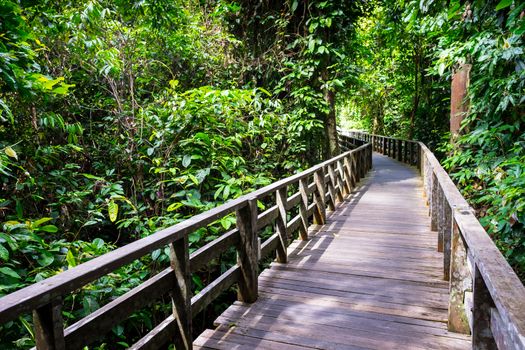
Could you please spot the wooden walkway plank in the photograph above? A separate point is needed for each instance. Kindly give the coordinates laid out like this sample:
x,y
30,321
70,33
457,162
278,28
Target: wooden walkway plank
x,y
369,278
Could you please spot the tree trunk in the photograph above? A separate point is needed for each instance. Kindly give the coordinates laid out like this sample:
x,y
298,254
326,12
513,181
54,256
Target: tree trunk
x,y
416,93
330,125
458,104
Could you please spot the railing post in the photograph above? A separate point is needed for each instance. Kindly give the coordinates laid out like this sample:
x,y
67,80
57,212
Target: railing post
x,y
383,150
447,238
319,197
482,337
399,150
405,152
440,196
281,224
460,282
49,326
181,293
247,252
434,202
303,208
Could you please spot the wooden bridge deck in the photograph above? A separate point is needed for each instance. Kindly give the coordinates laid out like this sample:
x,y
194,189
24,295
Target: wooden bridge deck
x,y
370,278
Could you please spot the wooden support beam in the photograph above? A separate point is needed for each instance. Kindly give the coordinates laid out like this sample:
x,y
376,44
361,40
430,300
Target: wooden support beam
x,y
331,190
434,201
280,225
49,326
345,178
319,198
336,190
303,208
349,179
248,250
181,293
440,217
447,239
482,338
460,282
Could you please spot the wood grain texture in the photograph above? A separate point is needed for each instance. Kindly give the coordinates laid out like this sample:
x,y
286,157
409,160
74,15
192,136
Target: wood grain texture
x,y
368,278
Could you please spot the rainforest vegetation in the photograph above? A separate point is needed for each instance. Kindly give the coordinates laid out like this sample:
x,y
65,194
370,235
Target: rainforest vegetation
x,y
119,118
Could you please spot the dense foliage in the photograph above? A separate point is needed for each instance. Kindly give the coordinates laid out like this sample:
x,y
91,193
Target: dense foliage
x,y
406,54
120,118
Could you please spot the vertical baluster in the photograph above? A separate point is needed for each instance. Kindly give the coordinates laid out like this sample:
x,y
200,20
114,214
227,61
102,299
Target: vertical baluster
x,y
319,198
281,223
405,152
355,169
447,239
440,217
434,201
460,282
331,189
248,251
343,178
49,326
303,208
348,173
181,293
335,185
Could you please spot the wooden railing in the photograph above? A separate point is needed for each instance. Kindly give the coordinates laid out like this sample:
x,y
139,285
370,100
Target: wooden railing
x,y
487,299
314,191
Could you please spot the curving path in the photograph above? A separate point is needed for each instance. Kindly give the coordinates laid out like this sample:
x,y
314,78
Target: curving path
x,y
369,279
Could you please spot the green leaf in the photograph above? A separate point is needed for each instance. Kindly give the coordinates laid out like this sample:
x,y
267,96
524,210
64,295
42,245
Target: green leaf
x,y
11,152
4,253
46,259
98,242
174,206
311,45
41,221
441,68
186,161
9,272
503,4
92,177
48,228
194,237
70,258
295,4
112,210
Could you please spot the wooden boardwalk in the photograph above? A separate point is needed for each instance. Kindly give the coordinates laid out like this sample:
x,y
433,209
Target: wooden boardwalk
x,y
370,278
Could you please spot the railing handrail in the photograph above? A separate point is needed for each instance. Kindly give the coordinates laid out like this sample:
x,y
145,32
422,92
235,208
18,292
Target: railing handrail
x,y
327,187
498,307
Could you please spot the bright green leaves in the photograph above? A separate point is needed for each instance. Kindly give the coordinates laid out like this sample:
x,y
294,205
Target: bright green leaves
x,y
11,152
503,4
7,271
112,210
4,253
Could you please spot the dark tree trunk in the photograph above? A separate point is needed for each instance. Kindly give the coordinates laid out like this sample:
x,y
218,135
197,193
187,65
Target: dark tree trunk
x,y
330,125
